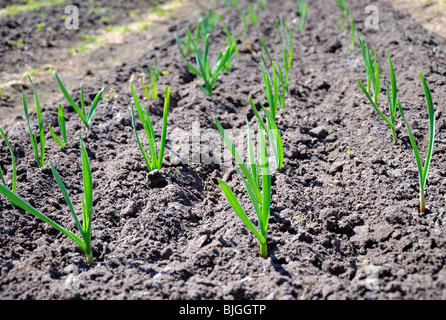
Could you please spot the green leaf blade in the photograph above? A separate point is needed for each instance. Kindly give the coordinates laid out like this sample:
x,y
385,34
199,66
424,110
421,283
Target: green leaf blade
x,y
235,204
17,201
431,112
164,132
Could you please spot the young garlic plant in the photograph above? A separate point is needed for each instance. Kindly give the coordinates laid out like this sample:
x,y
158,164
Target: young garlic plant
x,y
346,15
189,45
272,131
40,159
392,99
343,8
286,40
204,71
302,9
371,68
252,14
423,171
206,24
246,26
63,131
282,78
86,118
14,169
231,38
84,242
156,157
153,74
229,3
353,32
262,4
257,182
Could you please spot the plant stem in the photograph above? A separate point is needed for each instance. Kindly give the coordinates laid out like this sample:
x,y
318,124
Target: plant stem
x,y
395,137
264,250
90,259
422,202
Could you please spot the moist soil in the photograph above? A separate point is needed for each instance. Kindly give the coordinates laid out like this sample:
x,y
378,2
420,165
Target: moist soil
x,y
344,220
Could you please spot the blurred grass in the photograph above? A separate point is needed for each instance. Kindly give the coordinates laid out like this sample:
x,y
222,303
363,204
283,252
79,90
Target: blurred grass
x,y
29,5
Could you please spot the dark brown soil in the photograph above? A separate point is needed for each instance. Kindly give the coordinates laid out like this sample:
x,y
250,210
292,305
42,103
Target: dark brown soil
x,y
46,28
36,42
344,217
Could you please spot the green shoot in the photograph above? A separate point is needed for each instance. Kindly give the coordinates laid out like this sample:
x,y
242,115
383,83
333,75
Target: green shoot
x,y
226,3
84,242
39,158
282,77
262,4
244,20
245,26
346,15
265,48
189,45
232,3
276,86
231,38
252,14
14,169
423,171
146,88
391,100
156,157
340,25
249,175
302,9
344,9
86,118
371,69
287,44
271,90
206,24
272,131
63,131
208,74
353,32
251,179
232,49
153,74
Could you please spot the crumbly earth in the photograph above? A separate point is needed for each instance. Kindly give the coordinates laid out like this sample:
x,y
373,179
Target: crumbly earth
x,y
48,38
344,218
